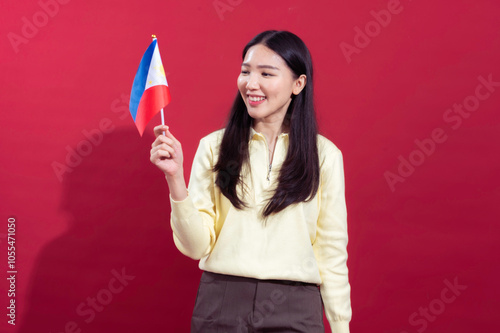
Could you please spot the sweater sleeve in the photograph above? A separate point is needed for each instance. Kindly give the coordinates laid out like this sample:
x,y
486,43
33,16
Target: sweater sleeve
x,y
193,219
330,245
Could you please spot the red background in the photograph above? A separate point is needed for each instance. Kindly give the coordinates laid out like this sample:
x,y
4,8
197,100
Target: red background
x,y
111,212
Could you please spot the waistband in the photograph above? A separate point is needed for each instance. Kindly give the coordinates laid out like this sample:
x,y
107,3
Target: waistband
x,y
233,278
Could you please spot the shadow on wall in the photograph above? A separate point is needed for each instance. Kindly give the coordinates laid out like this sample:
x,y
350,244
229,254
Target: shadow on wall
x,y
116,268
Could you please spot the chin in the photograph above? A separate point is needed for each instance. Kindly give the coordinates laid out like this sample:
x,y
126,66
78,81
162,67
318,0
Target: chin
x,y
255,114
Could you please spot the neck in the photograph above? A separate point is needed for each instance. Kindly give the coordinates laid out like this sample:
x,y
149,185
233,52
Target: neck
x,y
270,130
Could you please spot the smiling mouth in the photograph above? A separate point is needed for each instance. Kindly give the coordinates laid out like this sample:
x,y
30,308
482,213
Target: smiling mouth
x,y
256,98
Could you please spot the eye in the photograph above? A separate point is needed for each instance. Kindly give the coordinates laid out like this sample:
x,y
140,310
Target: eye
x,y
244,72
265,74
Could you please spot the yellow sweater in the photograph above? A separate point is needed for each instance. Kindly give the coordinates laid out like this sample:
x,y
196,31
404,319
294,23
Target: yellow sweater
x,y
305,242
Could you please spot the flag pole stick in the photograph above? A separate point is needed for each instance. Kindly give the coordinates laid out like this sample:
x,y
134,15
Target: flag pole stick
x,y
162,119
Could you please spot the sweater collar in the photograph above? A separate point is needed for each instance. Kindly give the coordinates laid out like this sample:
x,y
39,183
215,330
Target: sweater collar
x,y
254,134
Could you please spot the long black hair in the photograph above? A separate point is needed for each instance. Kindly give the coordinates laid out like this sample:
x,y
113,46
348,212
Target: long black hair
x,y
298,178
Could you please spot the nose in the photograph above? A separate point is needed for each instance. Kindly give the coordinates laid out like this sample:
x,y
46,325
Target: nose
x,y
252,83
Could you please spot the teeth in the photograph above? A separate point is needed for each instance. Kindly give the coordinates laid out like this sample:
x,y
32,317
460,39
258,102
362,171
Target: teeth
x,y
256,99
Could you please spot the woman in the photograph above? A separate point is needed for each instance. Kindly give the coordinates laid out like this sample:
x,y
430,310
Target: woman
x,y
265,211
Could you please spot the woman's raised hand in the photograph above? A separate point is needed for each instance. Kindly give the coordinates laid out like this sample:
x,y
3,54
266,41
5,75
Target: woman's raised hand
x,y
166,152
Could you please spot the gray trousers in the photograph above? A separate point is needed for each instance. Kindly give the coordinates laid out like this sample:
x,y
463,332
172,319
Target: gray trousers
x,y
232,304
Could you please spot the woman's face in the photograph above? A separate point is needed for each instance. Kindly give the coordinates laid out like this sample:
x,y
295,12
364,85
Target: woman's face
x,y
266,84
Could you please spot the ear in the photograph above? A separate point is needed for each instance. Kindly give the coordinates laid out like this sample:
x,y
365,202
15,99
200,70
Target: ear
x,y
299,84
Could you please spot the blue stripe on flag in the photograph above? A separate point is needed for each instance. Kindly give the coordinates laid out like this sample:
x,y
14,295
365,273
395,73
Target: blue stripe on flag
x,y
140,79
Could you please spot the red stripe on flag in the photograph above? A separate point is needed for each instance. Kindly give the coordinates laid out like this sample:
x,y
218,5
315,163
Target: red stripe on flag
x,y
152,101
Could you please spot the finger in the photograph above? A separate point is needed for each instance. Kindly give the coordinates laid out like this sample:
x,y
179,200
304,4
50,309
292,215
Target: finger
x,y
164,147
168,148
160,155
162,139
157,157
167,140
160,129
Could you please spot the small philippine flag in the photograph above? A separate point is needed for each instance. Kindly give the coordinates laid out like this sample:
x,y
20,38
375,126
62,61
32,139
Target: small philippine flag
x,y
150,91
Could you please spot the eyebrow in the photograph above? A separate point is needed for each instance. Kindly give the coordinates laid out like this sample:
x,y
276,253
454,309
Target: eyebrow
x,y
261,66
